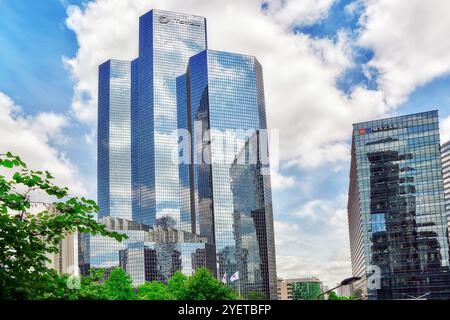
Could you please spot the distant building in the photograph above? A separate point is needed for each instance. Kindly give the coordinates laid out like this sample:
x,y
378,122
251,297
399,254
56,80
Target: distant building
x,y
396,208
299,289
446,173
65,261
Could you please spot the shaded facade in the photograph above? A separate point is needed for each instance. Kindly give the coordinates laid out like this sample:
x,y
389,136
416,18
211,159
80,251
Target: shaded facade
x,y
397,220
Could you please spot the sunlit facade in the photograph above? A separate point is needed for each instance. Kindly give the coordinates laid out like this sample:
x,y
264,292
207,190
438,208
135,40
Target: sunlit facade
x,y
230,198
166,42
114,139
398,224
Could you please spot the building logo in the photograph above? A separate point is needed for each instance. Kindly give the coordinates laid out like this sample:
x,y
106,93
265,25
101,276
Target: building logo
x,y
164,19
188,22
362,131
388,127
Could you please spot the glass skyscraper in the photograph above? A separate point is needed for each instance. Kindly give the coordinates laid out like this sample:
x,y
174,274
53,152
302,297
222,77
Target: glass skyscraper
x,y
446,173
166,42
114,139
180,100
225,111
397,220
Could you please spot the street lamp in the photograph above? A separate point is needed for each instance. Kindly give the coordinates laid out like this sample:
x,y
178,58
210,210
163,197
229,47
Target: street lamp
x,y
343,283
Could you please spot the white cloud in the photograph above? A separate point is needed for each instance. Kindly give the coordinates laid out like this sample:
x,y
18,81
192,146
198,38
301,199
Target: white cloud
x,y
445,130
410,39
315,242
32,138
281,182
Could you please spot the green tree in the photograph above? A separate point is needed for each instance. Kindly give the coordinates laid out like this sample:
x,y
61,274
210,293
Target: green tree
x,y
333,296
202,285
178,286
118,286
27,238
255,296
154,291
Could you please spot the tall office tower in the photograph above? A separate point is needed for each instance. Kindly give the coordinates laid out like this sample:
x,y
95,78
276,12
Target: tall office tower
x,y
446,172
166,42
114,139
225,110
397,220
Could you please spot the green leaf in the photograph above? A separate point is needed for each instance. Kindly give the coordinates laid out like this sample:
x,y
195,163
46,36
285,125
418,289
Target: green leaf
x,y
7,164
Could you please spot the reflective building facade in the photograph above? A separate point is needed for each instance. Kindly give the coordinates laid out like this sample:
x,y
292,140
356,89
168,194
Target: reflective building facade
x,y
446,174
397,219
166,42
149,253
226,108
114,139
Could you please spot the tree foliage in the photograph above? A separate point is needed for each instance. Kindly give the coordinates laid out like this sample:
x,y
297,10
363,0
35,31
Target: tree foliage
x,y
333,296
202,285
154,291
27,238
118,286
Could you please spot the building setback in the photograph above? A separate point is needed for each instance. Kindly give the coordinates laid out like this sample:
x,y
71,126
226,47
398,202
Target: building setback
x,y
396,208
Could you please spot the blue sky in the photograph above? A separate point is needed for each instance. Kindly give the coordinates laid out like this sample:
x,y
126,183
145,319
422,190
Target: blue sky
x,y
315,89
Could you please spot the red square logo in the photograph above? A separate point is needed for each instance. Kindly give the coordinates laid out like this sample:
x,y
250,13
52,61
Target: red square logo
x,y
362,131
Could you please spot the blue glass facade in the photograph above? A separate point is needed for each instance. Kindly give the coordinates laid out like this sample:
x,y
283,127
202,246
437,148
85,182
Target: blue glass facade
x,y
226,105
398,225
114,139
167,41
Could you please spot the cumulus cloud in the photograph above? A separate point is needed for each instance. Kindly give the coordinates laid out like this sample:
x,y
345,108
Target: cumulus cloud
x,y
33,138
291,13
315,242
410,42
300,72
281,182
